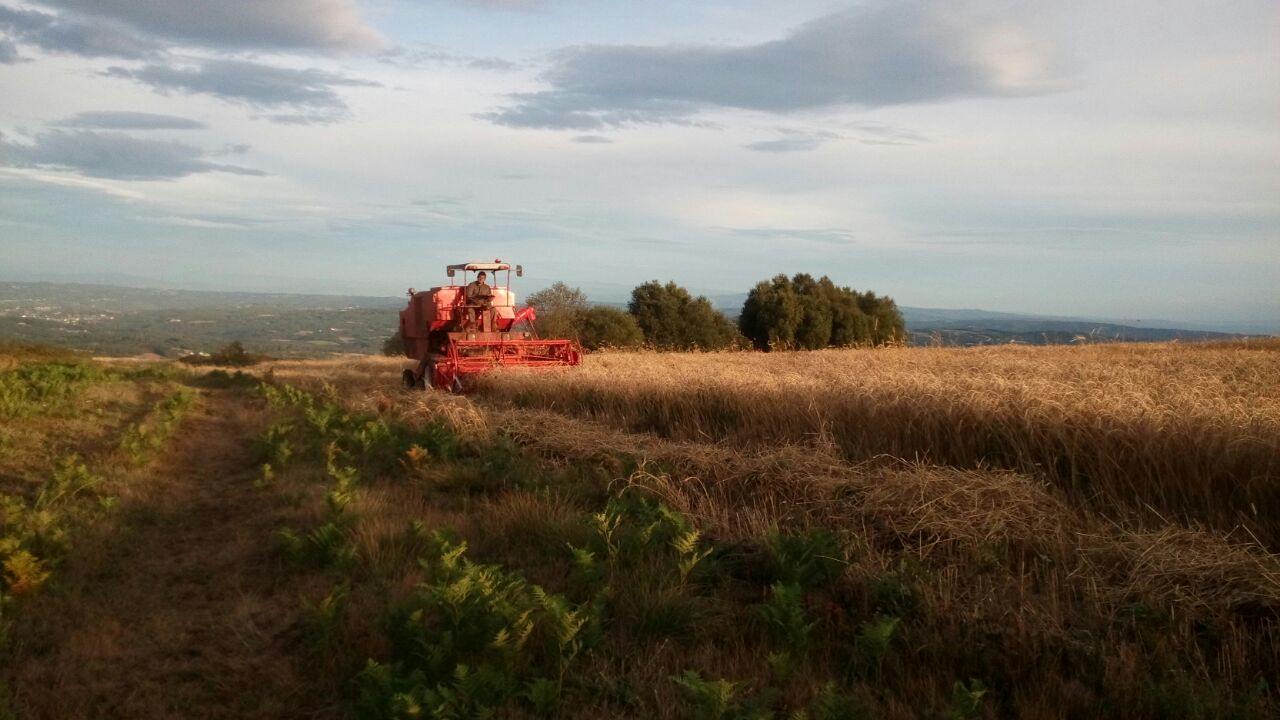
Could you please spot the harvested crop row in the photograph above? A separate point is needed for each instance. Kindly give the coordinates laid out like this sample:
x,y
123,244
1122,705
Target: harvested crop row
x,y
937,512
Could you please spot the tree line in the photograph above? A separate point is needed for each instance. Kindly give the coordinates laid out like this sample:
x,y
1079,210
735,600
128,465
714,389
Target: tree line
x,y
785,313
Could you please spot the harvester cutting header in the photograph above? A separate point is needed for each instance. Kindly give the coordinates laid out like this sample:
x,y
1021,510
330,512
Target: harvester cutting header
x,y
457,331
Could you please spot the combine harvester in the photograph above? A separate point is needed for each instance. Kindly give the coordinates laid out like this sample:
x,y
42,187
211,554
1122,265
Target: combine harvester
x,y
458,331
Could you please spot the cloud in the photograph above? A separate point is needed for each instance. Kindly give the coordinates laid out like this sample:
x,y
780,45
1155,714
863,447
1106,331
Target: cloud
x,y
592,139
874,133
788,144
887,53
8,51
793,141
277,24
827,236
504,4
307,94
124,120
217,222
111,155
69,35
437,201
435,56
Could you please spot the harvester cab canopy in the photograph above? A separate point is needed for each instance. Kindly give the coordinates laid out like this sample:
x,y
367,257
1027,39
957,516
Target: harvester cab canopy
x,y
495,266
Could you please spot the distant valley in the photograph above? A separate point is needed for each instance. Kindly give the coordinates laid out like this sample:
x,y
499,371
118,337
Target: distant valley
x,y
122,321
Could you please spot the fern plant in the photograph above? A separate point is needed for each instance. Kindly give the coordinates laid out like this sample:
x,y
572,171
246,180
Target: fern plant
x,y
875,639
323,618
585,566
566,622
273,445
832,704
711,699
784,617
476,638
23,573
966,700
71,478
690,554
606,525
812,558
329,545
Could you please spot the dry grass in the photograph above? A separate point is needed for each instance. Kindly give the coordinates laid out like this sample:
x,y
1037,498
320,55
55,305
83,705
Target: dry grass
x,y
163,597
1048,509
1154,432
783,464
941,514
175,607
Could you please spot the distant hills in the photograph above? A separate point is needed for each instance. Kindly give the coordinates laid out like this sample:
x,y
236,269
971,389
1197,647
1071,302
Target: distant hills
x,y
981,327
112,320
109,320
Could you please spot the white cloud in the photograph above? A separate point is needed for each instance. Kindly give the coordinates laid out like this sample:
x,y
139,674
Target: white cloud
x,y
886,53
112,155
307,95
277,24
128,120
72,35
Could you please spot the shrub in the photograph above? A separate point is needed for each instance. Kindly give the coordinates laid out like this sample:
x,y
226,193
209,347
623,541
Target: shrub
x,y
607,327
561,310
673,319
801,313
232,354
394,345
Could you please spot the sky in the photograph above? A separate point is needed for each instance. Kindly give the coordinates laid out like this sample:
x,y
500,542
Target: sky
x,y
1114,159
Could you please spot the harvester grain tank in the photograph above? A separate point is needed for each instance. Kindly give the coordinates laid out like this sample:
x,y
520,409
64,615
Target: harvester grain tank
x,y
455,332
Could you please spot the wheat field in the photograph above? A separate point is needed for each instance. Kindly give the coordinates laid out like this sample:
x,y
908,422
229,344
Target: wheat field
x,y
1042,501
1005,532
1189,433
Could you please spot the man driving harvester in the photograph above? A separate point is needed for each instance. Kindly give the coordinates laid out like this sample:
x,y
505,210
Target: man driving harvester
x,y
479,297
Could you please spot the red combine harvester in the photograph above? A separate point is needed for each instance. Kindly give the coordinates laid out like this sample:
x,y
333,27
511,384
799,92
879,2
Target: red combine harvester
x,y
458,331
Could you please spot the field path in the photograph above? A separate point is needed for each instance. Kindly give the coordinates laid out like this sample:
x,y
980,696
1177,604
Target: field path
x,y
186,612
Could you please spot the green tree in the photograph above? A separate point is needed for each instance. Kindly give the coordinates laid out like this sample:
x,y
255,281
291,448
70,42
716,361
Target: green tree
x,y
672,319
814,330
886,322
560,311
607,327
771,314
803,313
849,325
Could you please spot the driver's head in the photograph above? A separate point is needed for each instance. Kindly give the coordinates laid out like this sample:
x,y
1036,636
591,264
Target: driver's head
x,y
480,276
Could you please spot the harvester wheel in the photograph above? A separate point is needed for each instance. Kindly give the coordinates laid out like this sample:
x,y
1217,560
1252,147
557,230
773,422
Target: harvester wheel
x,y
410,380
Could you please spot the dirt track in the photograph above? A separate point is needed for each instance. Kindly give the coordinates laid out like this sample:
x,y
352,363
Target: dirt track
x,y
185,611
